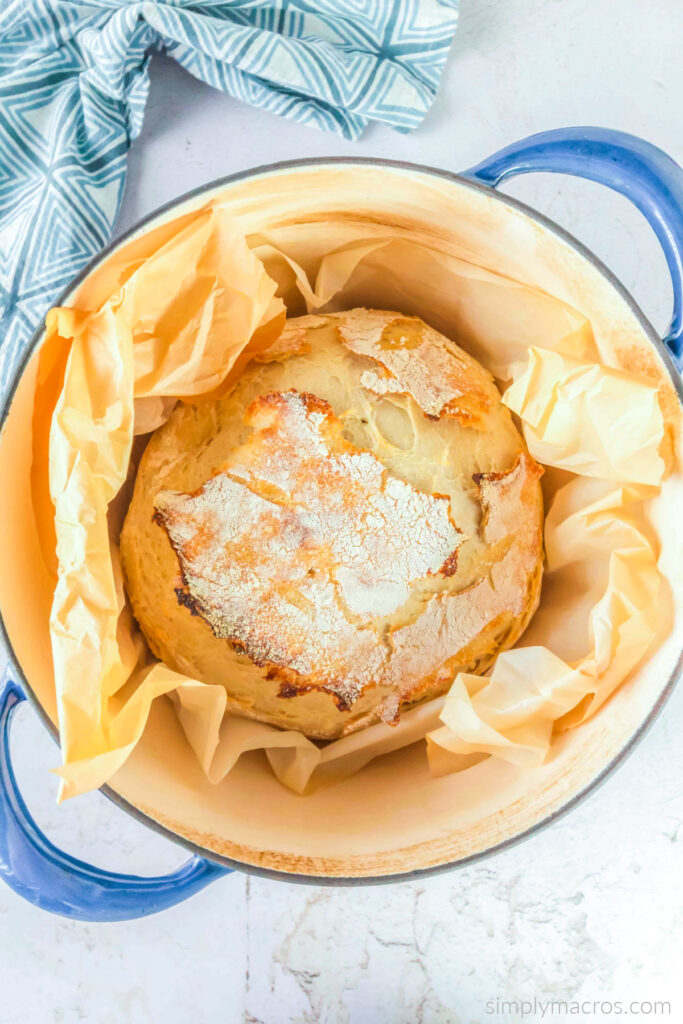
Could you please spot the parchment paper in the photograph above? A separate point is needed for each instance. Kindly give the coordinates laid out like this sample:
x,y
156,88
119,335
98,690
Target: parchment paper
x,y
180,323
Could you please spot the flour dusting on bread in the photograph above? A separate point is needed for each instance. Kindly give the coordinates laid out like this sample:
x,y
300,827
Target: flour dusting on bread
x,y
302,542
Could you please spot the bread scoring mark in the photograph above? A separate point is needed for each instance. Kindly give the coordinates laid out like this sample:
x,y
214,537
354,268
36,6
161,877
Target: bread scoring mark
x,y
294,686
185,598
497,492
450,566
288,689
296,497
413,359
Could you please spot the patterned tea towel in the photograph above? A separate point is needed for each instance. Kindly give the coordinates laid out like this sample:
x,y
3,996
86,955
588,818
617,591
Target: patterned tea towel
x,y
74,80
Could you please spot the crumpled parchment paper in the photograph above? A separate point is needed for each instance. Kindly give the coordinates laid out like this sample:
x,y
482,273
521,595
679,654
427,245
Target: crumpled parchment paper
x,y
180,322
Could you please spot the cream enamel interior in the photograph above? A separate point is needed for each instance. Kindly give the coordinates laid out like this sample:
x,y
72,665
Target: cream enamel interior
x,y
391,817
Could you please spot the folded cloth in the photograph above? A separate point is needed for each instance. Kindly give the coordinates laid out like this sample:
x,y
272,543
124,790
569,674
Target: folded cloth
x,y
74,81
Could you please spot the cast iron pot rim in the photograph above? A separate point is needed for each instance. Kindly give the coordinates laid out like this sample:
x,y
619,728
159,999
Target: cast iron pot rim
x,y
660,346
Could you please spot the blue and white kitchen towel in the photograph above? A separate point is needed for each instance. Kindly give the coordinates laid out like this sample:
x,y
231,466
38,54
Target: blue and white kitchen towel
x,y
73,85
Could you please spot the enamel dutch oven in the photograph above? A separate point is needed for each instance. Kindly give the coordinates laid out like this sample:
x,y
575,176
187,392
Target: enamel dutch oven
x,y
392,820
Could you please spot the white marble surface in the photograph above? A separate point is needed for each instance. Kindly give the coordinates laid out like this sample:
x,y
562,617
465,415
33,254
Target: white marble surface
x,y
590,909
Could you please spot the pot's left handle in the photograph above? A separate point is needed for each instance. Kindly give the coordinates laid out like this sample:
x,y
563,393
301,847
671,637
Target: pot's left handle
x,y
55,881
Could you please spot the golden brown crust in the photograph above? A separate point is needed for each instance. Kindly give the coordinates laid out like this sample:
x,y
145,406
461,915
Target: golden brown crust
x,y
339,552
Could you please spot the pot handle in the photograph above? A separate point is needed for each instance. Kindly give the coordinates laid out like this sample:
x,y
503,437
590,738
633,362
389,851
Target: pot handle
x,y
55,881
635,168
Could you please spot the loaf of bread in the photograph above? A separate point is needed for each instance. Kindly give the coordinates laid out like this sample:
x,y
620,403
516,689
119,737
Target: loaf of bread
x,y
354,523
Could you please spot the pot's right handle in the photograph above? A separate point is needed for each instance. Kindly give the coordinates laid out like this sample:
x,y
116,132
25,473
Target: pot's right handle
x,y
635,168
55,881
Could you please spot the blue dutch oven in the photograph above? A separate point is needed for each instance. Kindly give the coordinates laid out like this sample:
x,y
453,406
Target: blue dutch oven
x,y
57,882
